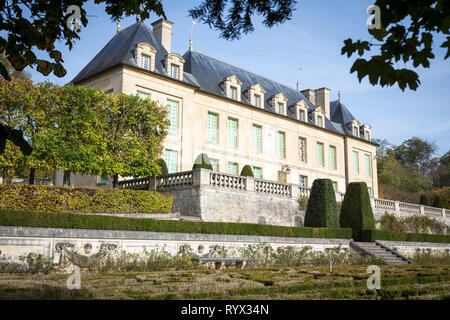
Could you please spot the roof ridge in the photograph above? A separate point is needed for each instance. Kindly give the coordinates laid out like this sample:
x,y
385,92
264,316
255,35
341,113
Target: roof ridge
x,y
246,70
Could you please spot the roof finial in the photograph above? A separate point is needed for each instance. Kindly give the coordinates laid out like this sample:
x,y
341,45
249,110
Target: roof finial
x,y
298,85
118,25
190,38
339,95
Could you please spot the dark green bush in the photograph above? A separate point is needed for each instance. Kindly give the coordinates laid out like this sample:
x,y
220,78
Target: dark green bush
x,y
162,164
202,161
84,221
356,212
437,201
424,200
372,235
322,210
69,199
389,222
247,171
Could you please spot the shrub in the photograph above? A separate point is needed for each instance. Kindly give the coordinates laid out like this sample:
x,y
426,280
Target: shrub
x,y
424,200
356,212
162,164
247,171
437,201
202,161
302,203
70,199
372,235
321,210
389,222
84,221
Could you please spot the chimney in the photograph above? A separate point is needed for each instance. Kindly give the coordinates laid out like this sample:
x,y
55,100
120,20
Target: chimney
x,y
323,100
310,95
162,29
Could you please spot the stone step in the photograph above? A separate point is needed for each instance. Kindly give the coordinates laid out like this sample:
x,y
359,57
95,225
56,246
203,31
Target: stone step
x,y
378,251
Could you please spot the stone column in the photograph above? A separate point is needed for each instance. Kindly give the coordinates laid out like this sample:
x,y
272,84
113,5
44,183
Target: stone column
x,y
201,176
397,207
249,184
295,194
422,209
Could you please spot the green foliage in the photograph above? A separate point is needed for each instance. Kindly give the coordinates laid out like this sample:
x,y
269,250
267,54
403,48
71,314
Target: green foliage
x,y
247,171
356,211
84,221
29,28
406,35
322,207
437,201
372,235
427,257
414,224
163,166
302,203
424,200
202,161
415,153
69,199
388,222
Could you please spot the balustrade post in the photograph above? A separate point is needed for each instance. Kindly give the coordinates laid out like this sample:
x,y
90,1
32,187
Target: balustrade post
x,y
249,183
295,191
422,209
372,202
201,176
152,183
397,207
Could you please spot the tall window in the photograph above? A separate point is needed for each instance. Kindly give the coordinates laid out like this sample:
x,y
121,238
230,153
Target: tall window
x,y
282,176
367,162
355,162
303,181
233,93
320,156
232,168
174,71
280,107
355,131
214,164
319,121
143,95
367,135
257,141
333,162
212,127
232,133
171,158
257,100
172,115
145,61
281,144
257,172
302,149
302,115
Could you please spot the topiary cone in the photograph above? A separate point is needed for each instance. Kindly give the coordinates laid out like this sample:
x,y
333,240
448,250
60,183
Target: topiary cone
x,y
202,161
322,211
247,171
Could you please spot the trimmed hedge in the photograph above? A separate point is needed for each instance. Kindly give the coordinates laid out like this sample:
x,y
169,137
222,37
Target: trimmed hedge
x,y
322,211
70,199
162,164
356,211
202,161
84,221
372,235
424,200
247,171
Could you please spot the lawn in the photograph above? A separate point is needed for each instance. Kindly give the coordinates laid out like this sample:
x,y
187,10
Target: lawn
x,y
308,282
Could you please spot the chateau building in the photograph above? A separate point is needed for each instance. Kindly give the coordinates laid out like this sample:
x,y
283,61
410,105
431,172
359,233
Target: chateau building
x,y
235,116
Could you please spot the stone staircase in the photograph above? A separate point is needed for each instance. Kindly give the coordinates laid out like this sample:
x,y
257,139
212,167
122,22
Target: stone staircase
x,y
378,250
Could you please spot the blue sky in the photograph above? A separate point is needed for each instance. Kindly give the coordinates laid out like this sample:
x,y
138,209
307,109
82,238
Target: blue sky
x,y
312,40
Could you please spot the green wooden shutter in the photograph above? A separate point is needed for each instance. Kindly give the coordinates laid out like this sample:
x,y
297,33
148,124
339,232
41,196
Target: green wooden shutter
x,y
355,162
333,158
256,139
214,164
232,133
142,95
171,158
232,168
367,161
212,127
172,115
320,154
257,172
281,145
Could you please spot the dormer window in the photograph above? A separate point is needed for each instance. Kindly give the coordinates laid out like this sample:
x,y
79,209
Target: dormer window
x,y
145,61
257,100
301,110
367,135
255,94
302,115
279,102
319,121
145,56
356,131
319,117
232,87
174,66
174,71
366,129
354,125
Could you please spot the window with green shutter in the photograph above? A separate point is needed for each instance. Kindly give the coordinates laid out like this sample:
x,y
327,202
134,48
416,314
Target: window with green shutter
x,y
143,95
256,142
320,159
212,127
257,172
333,164
214,164
174,71
355,162
232,168
172,116
171,158
367,161
281,145
232,133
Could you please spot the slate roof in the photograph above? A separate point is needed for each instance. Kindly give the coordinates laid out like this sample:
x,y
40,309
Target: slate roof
x,y
206,73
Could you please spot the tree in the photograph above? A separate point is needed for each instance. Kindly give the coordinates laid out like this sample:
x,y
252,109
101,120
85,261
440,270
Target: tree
x,y
416,153
29,27
135,130
424,200
440,171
